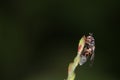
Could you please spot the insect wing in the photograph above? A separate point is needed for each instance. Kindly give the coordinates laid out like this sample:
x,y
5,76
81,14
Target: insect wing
x,y
83,59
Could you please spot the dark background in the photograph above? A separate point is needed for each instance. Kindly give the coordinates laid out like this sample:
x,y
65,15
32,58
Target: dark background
x,y
39,38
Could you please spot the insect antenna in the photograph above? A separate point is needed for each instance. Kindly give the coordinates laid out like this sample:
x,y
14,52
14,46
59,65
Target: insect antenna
x,y
91,34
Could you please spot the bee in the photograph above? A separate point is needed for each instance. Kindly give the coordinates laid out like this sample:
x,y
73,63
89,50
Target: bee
x,y
88,50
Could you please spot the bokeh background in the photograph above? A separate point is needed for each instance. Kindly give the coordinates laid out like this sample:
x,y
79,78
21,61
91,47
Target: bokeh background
x,y
39,38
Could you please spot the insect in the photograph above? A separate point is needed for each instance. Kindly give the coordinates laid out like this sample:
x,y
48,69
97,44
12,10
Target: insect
x,y
88,50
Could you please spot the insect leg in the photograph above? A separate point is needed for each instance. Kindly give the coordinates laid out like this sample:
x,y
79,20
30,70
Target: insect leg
x,y
92,58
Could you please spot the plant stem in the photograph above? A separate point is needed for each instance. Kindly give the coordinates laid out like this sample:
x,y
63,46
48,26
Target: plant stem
x,y
72,66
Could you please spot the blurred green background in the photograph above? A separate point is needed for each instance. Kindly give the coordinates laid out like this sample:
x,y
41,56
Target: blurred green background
x,y
39,38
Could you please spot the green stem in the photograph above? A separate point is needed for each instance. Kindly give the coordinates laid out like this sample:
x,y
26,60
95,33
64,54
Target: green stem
x,y
74,64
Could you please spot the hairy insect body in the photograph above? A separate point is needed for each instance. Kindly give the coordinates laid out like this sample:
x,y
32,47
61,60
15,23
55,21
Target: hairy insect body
x,y
88,50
